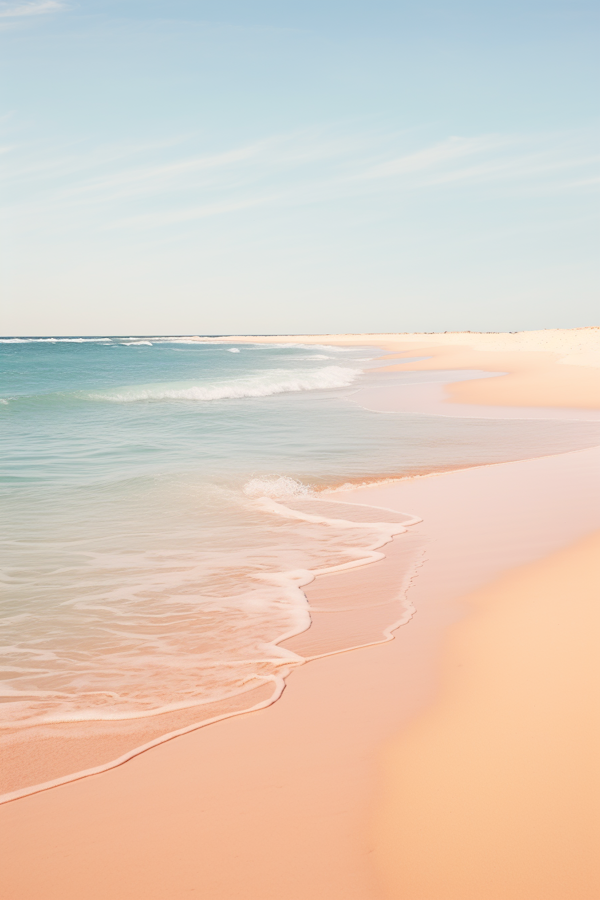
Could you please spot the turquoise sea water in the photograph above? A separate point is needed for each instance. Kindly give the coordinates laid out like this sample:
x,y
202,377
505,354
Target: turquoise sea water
x,y
142,570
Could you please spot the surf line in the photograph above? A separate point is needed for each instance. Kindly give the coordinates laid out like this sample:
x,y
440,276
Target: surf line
x,y
299,579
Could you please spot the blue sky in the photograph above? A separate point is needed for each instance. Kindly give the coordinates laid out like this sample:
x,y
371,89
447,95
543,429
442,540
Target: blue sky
x,y
270,167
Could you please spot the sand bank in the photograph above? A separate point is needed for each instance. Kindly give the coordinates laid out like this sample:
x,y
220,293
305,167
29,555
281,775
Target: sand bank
x,y
279,802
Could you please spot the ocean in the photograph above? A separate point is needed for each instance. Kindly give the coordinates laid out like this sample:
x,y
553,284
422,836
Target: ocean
x,y
163,506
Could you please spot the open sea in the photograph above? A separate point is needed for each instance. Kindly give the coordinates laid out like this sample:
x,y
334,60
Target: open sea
x,y
160,511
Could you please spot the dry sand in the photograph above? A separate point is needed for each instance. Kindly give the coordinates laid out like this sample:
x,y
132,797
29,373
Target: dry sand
x,y
332,792
495,792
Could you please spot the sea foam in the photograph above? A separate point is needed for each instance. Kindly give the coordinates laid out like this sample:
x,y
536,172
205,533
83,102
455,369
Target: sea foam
x,y
256,384
278,487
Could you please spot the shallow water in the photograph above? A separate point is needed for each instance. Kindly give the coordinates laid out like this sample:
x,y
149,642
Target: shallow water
x,y
144,569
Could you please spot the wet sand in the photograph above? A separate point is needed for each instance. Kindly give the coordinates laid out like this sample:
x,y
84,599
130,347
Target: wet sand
x,y
315,796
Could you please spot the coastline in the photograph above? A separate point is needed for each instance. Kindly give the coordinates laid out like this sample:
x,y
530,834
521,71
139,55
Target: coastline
x,y
99,746
554,368
514,515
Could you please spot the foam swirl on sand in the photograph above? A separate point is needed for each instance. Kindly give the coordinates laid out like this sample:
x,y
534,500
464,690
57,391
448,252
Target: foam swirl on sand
x,y
257,384
276,486
225,677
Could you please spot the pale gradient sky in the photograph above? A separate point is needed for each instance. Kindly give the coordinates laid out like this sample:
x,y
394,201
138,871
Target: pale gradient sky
x,y
267,167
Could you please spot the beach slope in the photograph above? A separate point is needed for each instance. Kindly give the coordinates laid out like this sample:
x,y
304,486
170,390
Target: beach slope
x,y
495,791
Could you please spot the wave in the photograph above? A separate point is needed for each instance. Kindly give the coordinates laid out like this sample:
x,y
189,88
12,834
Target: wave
x,y
277,487
312,356
288,345
271,662
257,384
165,338
56,340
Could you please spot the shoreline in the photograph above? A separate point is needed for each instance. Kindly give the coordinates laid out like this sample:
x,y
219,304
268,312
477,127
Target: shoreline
x,y
557,368
315,695
100,745
228,707
288,791
73,750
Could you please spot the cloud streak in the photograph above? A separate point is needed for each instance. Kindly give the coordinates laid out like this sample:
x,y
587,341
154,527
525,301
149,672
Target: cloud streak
x,y
20,10
449,150
161,186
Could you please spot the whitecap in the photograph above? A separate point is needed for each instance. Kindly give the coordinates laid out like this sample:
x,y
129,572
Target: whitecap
x,y
257,384
311,357
56,340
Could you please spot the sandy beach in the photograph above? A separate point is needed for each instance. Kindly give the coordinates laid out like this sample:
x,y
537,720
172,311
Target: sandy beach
x,y
456,760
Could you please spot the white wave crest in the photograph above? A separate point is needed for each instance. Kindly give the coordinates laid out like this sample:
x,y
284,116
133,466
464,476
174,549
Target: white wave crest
x,y
257,384
233,350
137,344
313,356
288,345
276,486
53,340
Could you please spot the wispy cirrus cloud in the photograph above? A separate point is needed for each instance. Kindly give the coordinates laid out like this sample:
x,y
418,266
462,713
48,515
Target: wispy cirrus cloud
x,y
166,184
450,150
33,8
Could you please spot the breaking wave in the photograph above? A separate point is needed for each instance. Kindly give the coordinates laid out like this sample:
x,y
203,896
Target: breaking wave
x,y
56,340
256,384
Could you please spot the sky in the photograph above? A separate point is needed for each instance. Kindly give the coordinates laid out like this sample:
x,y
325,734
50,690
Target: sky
x,y
278,166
